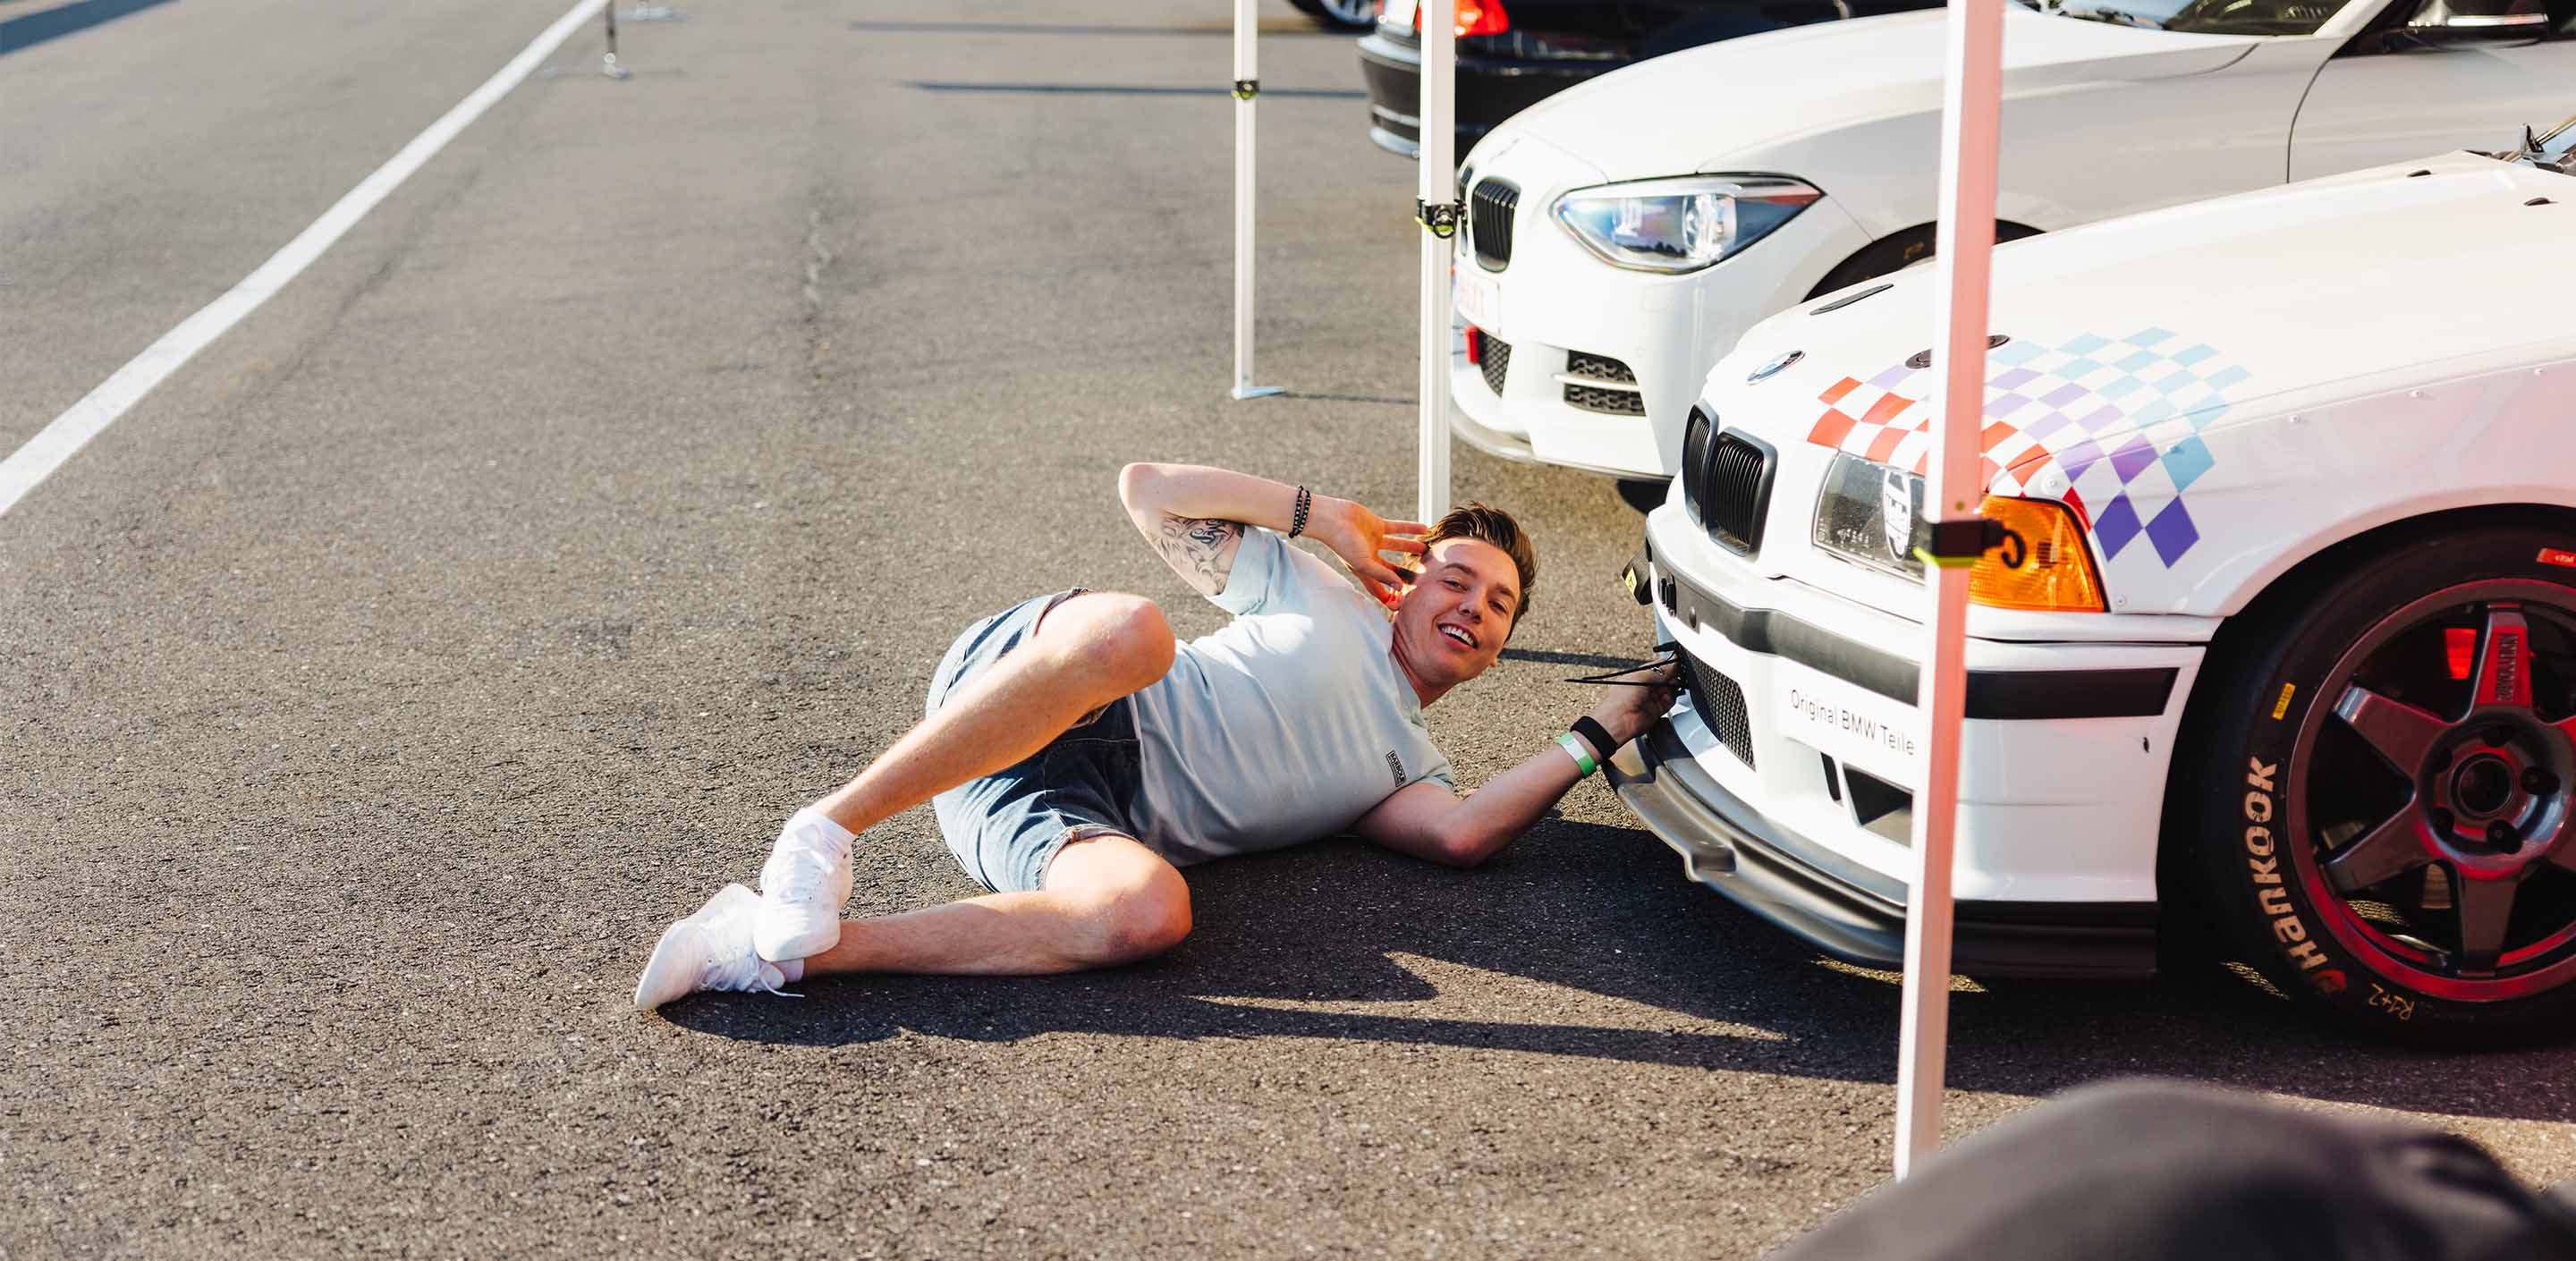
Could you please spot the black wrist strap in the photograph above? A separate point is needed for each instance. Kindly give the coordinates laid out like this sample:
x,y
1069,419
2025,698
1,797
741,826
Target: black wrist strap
x,y
1594,734
1305,501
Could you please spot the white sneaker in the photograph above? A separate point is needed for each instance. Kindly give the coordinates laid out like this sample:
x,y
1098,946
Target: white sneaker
x,y
802,889
710,950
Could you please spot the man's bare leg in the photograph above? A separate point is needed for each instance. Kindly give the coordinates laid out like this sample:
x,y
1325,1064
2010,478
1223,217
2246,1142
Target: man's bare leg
x,y
1106,900
1084,653
1113,901
1088,651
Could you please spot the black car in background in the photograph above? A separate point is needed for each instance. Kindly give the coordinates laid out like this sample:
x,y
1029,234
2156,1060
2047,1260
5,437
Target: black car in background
x,y
1512,53
1340,15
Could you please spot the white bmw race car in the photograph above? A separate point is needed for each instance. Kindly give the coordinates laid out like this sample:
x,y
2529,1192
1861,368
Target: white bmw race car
x,y
2279,651
1619,236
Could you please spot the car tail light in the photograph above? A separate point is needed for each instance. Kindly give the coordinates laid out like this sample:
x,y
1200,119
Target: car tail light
x,y
1475,344
1473,17
2054,570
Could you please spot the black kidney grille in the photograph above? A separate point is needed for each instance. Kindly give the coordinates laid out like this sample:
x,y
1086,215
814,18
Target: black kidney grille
x,y
1720,704
1726,480
1696,436
1489,222
1494,361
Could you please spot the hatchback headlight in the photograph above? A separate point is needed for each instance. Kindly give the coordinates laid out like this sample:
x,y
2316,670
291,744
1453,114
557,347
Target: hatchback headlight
x,y
1682,224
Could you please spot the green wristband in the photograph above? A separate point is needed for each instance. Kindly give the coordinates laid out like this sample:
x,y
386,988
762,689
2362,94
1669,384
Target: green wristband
x,y
1573,744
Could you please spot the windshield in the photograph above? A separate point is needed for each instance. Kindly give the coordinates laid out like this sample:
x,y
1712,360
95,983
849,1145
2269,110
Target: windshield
x,y
2201,17
2560,140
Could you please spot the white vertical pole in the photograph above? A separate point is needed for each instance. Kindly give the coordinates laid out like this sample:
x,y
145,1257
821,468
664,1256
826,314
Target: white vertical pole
x,y
1247,86
1437,187
1972,122
608,65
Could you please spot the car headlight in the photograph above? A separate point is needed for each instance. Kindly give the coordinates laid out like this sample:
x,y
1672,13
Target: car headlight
x,y
1872,515
1681,224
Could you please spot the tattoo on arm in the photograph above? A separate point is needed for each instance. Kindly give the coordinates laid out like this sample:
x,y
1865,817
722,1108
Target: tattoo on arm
x,y
1200,549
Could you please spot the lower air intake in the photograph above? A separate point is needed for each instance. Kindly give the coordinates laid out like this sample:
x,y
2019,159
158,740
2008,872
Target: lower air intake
x,y
1604,393
1720,704
1496,360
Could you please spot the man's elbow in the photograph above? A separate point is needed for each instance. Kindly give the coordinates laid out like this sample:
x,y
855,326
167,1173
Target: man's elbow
x,y
1136,484
1462,849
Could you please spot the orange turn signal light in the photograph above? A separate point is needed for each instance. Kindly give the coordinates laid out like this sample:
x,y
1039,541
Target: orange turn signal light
x,y
2043,562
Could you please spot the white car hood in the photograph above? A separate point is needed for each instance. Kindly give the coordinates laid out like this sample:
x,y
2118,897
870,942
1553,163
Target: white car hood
x,y
2311,285
1690,110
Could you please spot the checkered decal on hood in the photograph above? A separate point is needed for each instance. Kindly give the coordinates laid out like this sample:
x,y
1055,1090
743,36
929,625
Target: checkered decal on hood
x,y
2111,426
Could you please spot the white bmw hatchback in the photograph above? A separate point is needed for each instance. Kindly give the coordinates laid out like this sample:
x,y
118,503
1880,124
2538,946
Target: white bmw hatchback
x,y
1621,235
2278,658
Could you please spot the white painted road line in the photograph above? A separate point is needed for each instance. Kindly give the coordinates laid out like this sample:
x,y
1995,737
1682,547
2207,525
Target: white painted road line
x,y
86,419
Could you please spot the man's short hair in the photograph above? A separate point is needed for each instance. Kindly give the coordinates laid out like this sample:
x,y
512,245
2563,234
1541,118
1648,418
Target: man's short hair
x,y
1473,520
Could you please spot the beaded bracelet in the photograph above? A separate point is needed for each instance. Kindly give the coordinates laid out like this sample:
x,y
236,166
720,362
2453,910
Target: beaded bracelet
x,y
1305,500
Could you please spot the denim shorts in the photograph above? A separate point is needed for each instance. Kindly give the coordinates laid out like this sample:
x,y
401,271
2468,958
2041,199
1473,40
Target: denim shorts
x,y
1006,827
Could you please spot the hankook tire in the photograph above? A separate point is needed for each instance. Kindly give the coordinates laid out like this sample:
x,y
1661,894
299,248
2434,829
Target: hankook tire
x,y
2376,784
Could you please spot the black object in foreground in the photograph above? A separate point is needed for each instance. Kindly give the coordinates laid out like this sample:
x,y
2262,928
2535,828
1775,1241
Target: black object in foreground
x,y
2159,1171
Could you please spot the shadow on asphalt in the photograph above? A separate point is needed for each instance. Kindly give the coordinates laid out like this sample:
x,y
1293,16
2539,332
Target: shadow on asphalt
x,y
1587,660
1276,27
1643,495
1131,89
1305,942
1388,399
21,33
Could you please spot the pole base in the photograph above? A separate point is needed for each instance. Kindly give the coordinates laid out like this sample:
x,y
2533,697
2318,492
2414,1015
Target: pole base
x,y
608,66
1242,392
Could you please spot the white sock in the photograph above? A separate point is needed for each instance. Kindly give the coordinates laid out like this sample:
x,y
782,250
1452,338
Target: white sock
x,y
816,822
792,969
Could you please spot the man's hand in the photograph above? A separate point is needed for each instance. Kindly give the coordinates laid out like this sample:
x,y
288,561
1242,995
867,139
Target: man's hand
x,y
1464,829
1627,711
1358,535
1195,516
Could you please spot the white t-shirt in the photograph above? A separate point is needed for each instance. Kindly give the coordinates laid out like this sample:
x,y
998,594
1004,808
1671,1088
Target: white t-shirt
x,y
1287,725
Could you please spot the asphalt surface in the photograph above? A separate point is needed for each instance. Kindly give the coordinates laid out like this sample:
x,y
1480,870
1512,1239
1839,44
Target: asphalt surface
x,y
385,681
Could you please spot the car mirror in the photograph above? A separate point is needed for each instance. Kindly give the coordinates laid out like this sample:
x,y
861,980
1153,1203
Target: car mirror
x,y
2461,21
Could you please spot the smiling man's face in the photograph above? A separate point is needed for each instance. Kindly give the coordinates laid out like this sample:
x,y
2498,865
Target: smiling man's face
x,y
1451,625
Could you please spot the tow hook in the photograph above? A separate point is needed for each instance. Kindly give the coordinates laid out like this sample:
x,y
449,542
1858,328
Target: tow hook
x,y
1638,575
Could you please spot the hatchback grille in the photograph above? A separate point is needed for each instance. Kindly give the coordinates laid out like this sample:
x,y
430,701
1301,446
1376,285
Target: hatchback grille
x,y
1726,482
1598,367
1598,383
1720,704
1607,402
1489,222
1494,361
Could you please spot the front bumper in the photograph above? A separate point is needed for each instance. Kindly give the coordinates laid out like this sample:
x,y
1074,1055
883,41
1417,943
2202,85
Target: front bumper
x,y
1511,446
1496,79
1846,911
1786,776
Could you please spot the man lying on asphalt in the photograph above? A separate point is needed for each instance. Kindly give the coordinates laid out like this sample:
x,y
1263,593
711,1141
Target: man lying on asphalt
x,y
1077,758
